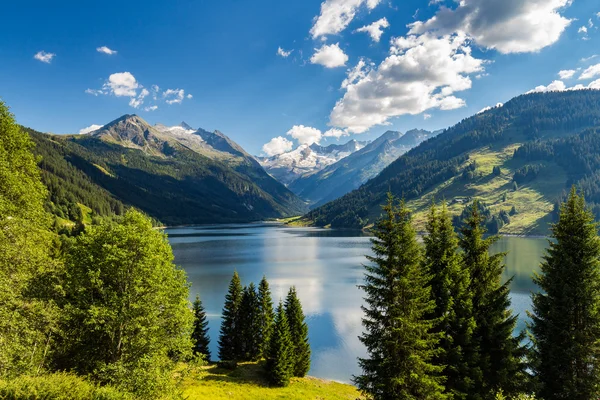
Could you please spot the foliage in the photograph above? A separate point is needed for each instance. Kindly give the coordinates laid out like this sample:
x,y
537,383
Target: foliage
x,y
280,362
493,223
250,324
397,333
453,311
229,337
566,312
200,338
298,334
126,309
266,316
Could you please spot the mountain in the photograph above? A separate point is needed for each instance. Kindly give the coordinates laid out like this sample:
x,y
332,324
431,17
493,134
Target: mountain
x,y
177,175
347,174
518,159
306,160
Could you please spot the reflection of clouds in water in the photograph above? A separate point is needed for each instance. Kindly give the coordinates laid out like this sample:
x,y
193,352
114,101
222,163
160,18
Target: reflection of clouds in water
x,y
310,292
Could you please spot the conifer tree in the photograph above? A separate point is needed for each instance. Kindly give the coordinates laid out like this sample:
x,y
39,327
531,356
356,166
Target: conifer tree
x,y
453,314
280,364
229,337
397,336
200,337
566,313
249,317
266,316
298,333
501,356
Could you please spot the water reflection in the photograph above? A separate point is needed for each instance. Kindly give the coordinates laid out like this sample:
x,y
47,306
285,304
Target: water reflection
x,y
324,265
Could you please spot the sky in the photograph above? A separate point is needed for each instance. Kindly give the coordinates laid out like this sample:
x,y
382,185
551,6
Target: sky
x,y
275,74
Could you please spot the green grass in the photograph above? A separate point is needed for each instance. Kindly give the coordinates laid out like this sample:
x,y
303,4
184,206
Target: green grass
x,y
248,382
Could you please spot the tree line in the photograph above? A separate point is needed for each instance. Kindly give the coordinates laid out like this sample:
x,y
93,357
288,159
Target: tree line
x,y
438,322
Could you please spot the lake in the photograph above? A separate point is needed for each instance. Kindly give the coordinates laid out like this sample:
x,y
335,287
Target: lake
x,y
325,266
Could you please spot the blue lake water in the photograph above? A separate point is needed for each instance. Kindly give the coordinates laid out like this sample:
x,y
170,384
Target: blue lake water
x,y
325,266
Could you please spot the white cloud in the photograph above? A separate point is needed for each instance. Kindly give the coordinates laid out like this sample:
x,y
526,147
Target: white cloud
x,y
135,102
375,30
354,74
555,86
282,53
189,96
426,116
509,26
305,134
44,56
174,96
336,133
276,146
336,15
583,29
151,108
122,84
421,73
94,92
586,59
590,72
566,73
330,56
89,129
484,109
106,50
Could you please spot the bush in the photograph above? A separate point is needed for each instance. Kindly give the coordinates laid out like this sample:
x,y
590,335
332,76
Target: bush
x,y
59,386
230,365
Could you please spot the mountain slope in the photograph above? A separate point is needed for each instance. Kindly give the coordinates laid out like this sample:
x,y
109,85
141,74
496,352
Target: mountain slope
x,y
458,165
349,173
179,176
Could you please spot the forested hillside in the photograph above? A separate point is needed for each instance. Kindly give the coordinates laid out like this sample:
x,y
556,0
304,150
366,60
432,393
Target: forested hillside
x,y
475,159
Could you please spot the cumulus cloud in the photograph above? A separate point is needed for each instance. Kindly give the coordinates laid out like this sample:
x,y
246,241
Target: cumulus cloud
x,y
509,26
566,73
189,96
122,84
484,109
174,96
151,108
590,72
329,56
277,145
136,102
421,73
426,116
89,129
44,57
582,29
375,30
106,50
305,134
555,86
335,133
337,14
282,53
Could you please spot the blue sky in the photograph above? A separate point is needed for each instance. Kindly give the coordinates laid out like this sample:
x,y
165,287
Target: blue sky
x,y
215,64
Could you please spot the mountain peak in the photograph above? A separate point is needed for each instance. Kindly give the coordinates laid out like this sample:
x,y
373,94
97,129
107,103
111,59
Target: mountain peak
x,y
185,126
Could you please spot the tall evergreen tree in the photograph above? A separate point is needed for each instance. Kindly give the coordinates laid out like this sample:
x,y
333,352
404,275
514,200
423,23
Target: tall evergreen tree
x,y
566,313
280,362
266,316
501,356
229,337
453,312
397,337
250,328
298,332
200,337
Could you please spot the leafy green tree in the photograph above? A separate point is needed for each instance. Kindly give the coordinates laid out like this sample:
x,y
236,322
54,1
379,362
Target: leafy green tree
x,y
280,362
266,316
229,337
249,322
28,313
453,312
299,333
566,312
398,300
200,339
127,311
501,356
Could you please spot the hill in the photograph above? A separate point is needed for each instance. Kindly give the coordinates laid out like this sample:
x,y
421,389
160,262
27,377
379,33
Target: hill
x,y
542,142
177,175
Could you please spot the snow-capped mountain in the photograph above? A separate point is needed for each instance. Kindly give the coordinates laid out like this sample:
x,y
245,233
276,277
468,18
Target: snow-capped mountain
x,y
306,160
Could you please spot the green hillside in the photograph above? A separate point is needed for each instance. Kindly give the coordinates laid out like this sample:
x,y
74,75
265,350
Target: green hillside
x,y
458,165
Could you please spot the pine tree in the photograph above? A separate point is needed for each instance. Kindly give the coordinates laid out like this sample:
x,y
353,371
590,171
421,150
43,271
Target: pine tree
x,y
397,337
299,333
500,353
229,337
566,313
266,316
250,328
200,337
280,364
454,304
